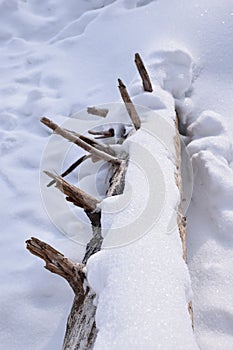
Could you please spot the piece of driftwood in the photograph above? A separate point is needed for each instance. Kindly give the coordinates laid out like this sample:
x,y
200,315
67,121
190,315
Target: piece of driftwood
x,y
143,73
71,168
129,105
101,112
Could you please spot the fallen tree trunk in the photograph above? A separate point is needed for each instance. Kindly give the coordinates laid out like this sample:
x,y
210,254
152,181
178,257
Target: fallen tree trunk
x,y
81,331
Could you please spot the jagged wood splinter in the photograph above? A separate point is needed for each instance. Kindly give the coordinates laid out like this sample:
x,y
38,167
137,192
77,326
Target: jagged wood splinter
x,y
129,105
143,73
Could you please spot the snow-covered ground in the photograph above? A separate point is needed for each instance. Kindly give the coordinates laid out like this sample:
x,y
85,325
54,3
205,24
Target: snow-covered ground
x,y
59,57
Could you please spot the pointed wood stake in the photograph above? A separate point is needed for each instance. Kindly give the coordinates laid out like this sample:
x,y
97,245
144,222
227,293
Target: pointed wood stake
x,y
143,73
129,105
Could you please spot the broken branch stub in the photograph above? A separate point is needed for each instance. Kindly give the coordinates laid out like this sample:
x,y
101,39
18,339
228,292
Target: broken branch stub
x,y
57,263
100,112
143,73
74,194
129,105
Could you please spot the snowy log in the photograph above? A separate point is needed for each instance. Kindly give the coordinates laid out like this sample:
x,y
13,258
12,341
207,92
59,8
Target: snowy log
x,y
82,332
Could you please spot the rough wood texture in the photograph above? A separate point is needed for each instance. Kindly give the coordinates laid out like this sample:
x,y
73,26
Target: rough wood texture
x,y
181,220
76,140
94,143
74,194
96,241
117,180
101,112
81,330
129,105
71,168
143,73
102,134
59,264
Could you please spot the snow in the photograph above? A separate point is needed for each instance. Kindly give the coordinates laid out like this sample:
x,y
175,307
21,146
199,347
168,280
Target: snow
x,y
211,221
58,58
141,299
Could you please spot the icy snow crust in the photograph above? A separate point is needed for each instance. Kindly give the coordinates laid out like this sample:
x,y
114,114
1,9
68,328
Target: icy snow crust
x,y
56,59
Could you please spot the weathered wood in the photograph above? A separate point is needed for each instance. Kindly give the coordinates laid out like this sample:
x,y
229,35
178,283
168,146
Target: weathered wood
x,y
129,105
102,134
94,143
100,112
181,220
74,194
117,181
95,243
57,263
70,169
143,73
76,140
81,329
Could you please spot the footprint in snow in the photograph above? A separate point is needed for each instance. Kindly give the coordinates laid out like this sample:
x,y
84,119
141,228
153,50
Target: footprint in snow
x,y
74,28
8,121
173,71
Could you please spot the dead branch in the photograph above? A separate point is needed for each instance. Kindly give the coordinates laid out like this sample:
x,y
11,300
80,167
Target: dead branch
x,y
101,112
94,143
75,194
71,168
102,134
95,243
76,140
81,329
143,73
129,105
56,263
117,181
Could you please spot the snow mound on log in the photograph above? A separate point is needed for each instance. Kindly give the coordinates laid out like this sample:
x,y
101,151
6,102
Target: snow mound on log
x,y
140,278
